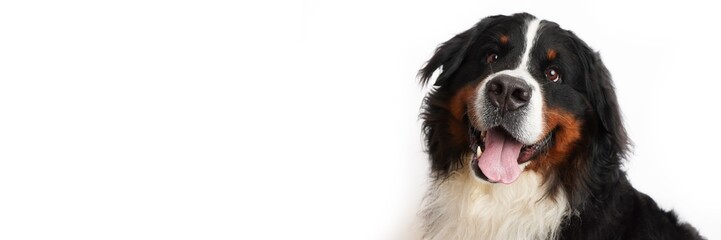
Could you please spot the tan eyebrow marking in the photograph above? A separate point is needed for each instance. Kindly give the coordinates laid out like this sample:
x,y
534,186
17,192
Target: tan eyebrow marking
x,y
551,54
503,39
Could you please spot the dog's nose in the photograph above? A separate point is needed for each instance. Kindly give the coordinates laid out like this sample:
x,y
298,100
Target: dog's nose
x,y
508,93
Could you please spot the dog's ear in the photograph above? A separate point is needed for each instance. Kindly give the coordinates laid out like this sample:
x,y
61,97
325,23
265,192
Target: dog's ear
x,y
450,54
602,96
608,141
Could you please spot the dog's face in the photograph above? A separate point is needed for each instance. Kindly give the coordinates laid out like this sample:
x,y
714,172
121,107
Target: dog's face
x,y
516,93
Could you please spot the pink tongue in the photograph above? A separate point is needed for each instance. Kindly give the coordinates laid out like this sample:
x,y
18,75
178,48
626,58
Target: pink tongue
x,y
499,161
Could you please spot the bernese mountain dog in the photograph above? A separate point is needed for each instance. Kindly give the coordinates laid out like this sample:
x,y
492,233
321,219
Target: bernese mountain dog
x,y
526,141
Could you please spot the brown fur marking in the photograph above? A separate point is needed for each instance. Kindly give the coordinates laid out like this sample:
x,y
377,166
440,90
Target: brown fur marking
x,y
568,132
458,106
503,39
551,54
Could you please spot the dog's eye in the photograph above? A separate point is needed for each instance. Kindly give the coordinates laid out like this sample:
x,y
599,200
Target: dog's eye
x,y
553,75
491,58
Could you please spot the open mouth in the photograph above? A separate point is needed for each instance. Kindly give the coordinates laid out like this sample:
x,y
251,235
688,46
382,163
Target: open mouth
x,y
498,156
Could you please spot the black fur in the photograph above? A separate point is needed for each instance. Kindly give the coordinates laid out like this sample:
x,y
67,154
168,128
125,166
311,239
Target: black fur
x,y
604,203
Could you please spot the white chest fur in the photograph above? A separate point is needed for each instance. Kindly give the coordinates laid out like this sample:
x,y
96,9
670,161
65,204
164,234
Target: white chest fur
x,y
463,207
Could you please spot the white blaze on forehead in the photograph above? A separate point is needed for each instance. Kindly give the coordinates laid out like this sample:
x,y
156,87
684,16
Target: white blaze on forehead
x,y
532,124
531,33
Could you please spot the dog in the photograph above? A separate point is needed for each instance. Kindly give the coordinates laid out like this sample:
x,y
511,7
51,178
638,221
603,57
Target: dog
x,y
525,141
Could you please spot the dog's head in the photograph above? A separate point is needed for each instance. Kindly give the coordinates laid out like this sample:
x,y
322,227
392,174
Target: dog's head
x,y
526,93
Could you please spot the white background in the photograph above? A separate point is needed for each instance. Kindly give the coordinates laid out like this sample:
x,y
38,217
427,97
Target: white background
x,y
298,120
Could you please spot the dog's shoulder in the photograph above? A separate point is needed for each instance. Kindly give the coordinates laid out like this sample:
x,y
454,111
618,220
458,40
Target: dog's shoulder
x,y
626,213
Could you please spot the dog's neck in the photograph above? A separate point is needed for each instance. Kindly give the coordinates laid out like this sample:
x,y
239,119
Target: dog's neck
x,y
464,207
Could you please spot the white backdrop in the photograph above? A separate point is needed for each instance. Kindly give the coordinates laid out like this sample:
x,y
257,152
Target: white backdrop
x,y
298,120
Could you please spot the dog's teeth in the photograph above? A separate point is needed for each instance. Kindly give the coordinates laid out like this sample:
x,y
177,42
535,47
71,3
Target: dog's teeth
x,y
478,151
